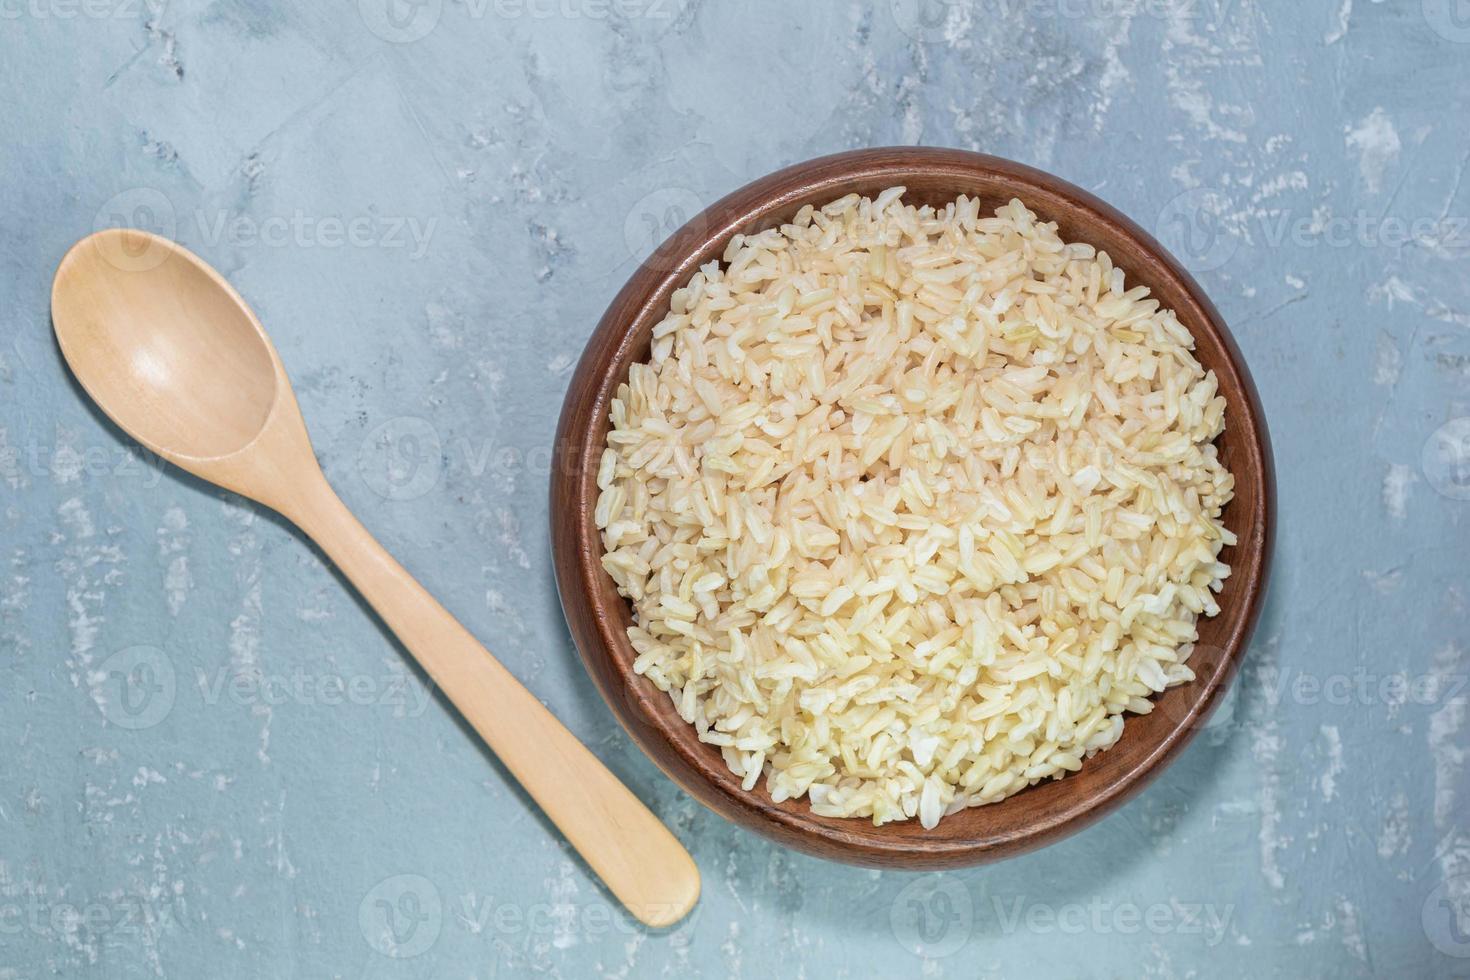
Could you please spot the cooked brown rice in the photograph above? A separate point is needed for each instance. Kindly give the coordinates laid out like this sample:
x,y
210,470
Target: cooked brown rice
x,y
912,505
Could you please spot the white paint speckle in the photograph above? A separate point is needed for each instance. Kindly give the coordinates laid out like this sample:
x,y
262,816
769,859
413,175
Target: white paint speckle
x,y
1327,781
1388,362
446,326
1393,836
89,567
68,463
1393,290
1340,28
1396,485
76,519
145,776
1376,143
562,891
731,949
1266,747
1352,929
1115,73
1445,726
10,467
244,642
510,537
173,543
15,599
1384,583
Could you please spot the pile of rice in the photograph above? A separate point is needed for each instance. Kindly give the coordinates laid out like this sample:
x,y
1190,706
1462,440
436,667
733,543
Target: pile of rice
x,y
912,505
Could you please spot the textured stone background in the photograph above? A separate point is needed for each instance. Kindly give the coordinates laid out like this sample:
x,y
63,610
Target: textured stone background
x,y
429,206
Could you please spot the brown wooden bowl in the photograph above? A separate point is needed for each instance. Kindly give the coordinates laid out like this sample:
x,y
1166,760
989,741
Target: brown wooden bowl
x,y
599,617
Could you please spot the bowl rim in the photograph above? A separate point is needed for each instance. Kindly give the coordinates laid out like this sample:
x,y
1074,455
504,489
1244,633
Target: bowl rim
x,y
644,711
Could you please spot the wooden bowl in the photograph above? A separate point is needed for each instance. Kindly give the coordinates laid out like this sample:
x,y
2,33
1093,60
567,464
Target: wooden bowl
x,y
599,617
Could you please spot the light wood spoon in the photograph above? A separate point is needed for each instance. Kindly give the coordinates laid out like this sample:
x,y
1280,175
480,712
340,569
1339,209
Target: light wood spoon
x,y
175,357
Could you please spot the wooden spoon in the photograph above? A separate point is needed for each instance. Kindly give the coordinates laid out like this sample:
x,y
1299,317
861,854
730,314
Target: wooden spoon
x,y
174,356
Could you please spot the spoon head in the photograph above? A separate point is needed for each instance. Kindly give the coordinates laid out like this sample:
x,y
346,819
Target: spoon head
x,y
164,345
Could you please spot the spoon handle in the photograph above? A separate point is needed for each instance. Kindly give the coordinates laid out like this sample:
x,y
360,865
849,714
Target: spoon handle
x,y
637,857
